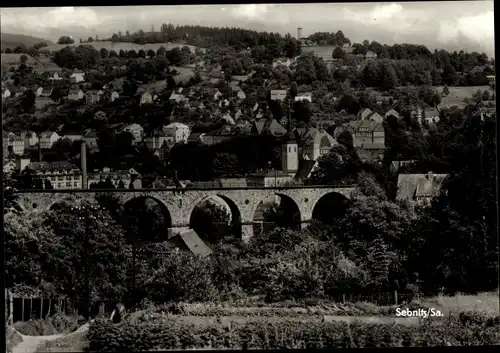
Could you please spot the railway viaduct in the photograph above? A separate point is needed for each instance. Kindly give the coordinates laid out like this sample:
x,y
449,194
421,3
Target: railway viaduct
x,y
180,203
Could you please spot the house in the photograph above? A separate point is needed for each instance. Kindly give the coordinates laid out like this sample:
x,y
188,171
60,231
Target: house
x,y
178,131
39,91
136,130
282,62
121,179
47,139
364,113
45,92
393,113
316,143
90,138
416,113
175,97
371,152
241,95
217,95
366,131
61,174
73,136
9,167
223,103
77,77
93,97
41,102
157,139
55,77
491,79
367,114
278,94
304,96
146,98
31,139
370,55
306,167
6,93
19,144
238,115
113,96
396,165
419,188
5,143
228,119
75,95
267,126
269,179
431,115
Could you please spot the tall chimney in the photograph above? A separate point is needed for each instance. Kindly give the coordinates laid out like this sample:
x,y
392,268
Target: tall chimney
x,y
83,162
299,33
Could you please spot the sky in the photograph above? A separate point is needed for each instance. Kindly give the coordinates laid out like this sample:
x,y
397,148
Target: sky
x,y
456,25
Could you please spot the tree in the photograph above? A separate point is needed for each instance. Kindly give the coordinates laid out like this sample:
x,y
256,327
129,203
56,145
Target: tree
x,y
161,51
225,164
90,40
210,221
104,53
446,91
48,185
28,102
338,53
23,59
151,53
65,40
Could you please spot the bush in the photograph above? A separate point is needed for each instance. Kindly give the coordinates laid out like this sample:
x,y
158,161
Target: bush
x,y
12,338
49,326
283,334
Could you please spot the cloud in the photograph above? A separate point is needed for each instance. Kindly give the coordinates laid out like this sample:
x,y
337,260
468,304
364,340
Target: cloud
x,y
386,12
478,28
57,18
253,12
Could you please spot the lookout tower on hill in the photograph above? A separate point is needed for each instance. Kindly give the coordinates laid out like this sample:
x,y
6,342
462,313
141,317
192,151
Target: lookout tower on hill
x,y
299,33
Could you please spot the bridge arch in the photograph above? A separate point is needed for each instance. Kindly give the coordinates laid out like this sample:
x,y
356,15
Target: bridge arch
x,y
143,210
280,210
330,207
235,228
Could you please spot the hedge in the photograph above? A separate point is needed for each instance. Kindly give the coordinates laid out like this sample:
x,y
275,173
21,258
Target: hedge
x,y
284,334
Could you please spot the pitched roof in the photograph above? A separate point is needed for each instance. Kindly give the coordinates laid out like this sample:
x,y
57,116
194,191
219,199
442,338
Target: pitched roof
x,y
190,240
306,167
393,113
51,166
365,113
372,146
366,124
412,185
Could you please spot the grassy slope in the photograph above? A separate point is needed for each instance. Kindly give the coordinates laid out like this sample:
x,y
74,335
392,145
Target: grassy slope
x,y
12,41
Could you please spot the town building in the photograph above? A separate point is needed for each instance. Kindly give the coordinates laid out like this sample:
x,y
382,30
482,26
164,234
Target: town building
x,y
77,77
136,130
19,144
157,139
93,97
146,98
178,131
366,131
90,138
268,179
75,94
47,139
317,143
290,155
278,94
306,96
60,175
393,113
419,188
121,179
55,77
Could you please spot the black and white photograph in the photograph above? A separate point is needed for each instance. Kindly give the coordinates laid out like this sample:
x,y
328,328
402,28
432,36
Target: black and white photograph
x,y
249,176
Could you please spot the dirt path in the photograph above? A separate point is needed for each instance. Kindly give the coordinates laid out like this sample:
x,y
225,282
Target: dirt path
x,y
31,343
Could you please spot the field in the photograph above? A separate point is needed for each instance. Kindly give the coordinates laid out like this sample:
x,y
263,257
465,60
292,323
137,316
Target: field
x,y
119,46
40,64
183,74
458,94
12,41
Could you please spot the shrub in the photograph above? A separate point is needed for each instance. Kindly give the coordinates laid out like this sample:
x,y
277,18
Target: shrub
x,y
283,334
12,339
52,325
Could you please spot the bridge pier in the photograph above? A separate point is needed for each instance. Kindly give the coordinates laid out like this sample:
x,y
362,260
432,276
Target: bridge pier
x,y
246,232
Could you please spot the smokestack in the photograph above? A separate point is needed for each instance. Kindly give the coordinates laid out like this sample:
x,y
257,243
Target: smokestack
x,y
299,33
83,162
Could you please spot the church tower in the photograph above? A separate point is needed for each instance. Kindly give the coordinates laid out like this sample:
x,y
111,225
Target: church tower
x,y
290,155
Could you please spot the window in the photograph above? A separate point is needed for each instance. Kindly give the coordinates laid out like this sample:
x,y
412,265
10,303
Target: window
x,y
75,184
60,178
59,185
289,149
295,149
68,184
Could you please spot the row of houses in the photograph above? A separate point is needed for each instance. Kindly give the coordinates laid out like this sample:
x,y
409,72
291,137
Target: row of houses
x,y
65,175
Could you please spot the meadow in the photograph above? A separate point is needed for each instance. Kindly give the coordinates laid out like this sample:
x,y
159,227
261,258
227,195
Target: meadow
x,y
458,94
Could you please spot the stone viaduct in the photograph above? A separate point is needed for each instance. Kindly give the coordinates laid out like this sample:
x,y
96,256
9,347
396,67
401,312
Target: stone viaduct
x,y
180,203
